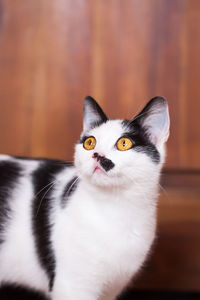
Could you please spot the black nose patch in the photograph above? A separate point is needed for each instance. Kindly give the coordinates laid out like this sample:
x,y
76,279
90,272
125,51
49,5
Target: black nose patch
x,y
106,164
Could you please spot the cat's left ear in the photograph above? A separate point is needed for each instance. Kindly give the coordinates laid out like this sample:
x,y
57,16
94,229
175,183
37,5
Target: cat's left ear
x,y
93,114
154,118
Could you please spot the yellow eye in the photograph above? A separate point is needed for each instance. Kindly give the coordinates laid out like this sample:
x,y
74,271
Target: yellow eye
x,y
90,143
124,144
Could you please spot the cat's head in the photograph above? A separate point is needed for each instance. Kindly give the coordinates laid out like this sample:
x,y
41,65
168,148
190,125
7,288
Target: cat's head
x,y
122,152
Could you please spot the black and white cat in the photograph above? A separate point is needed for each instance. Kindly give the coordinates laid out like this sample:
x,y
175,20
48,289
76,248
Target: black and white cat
x,y
81,232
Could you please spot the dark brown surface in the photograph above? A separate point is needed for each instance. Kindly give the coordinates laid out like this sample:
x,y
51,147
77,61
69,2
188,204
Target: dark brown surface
x,y
20,293
181,179
174,263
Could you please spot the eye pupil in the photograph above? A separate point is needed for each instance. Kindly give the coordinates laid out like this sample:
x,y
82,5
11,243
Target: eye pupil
x,y
124,143
90,142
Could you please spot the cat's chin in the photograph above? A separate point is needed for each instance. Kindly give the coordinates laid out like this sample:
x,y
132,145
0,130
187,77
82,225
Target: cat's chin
x,y
98,178
102,179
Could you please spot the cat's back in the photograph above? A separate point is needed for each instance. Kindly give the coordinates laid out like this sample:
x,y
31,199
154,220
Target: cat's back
x,y
28,192
29,177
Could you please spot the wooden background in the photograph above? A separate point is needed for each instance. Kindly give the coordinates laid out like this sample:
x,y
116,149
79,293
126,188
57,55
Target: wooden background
x,y
53,53
121,52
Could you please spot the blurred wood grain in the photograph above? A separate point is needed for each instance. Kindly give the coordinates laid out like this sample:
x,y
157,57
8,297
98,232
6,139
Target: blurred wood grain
x,y
53,53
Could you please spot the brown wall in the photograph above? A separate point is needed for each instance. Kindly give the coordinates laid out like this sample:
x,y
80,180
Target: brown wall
x,y
53,53
122,52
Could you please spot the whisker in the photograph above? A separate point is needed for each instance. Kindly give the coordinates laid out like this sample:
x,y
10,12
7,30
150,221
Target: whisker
x,y
71,186
44,188
163,189
52,184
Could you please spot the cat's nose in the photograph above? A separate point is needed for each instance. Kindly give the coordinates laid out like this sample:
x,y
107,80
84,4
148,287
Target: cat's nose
x,y
106,163
97,156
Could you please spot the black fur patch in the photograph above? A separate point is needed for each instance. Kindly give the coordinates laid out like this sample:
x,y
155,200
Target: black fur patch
x,y
140,139
83,139
42,205
15,292
9,173
69,190
106,163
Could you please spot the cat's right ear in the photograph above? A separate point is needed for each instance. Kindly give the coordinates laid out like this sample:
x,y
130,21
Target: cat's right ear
x,y
93,114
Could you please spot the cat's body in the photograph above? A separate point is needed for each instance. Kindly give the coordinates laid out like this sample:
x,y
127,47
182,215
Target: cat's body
x,y
81,232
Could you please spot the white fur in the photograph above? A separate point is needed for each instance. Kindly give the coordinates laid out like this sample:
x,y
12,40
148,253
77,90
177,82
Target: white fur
x,y
103,235
109,222
18,259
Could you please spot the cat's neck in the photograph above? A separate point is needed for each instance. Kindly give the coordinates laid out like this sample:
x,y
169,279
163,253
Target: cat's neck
x,y
132,192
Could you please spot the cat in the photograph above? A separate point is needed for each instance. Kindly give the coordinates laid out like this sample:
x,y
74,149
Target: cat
x,y
82,231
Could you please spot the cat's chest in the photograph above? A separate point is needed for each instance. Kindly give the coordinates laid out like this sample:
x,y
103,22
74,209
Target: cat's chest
x,y
104,228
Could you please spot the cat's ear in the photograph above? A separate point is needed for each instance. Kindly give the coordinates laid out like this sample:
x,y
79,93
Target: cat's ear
x,y
154,118
93,114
